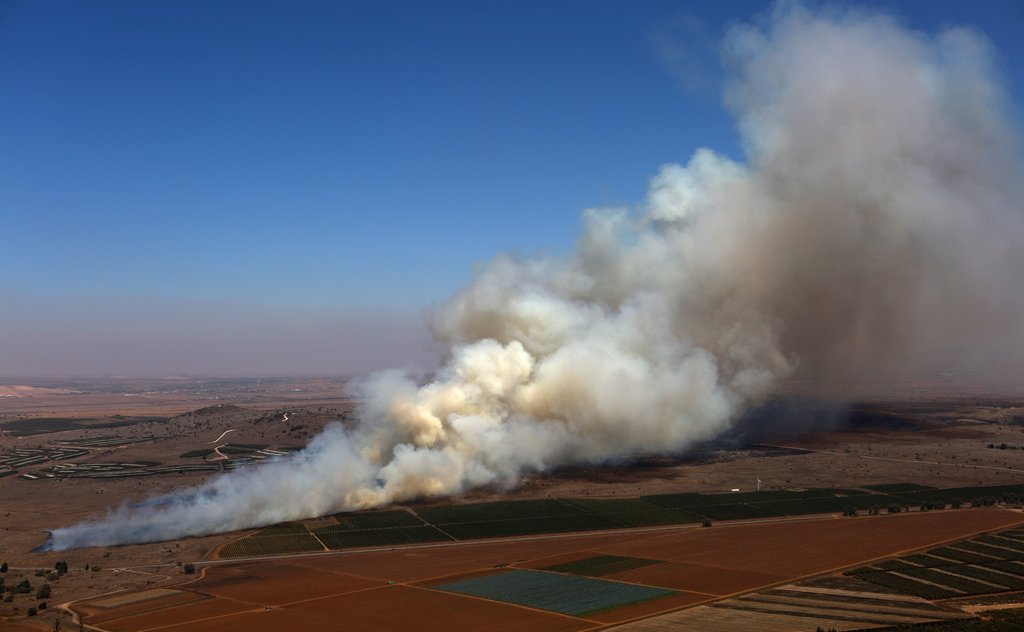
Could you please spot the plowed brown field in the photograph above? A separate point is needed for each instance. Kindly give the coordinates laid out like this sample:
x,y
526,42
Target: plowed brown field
x,y
406,565
352,590
698,578
276,584
398,608
205,609
794,549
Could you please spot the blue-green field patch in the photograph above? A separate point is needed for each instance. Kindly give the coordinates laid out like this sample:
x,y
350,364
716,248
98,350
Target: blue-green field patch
x,y
568,594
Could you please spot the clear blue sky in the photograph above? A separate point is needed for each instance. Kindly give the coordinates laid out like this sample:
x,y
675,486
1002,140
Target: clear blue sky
x,y
339,158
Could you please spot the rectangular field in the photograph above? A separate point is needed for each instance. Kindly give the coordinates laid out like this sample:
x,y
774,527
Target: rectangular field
x,y
633,512
271,545
600,565
389,608
567,594
393,588
342,538
528,526
378,520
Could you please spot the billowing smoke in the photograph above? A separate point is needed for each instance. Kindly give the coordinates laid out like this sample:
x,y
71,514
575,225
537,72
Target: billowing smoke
x,y
873,231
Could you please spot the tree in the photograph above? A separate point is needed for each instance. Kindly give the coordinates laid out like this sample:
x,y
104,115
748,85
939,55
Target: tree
x,y
189,568
61,567
43,592
31,612
3,567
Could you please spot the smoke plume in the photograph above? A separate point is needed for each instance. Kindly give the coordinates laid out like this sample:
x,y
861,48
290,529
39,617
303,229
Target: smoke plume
x,y
873,230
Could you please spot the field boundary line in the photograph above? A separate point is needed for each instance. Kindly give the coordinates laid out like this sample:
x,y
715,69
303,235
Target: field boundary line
x,y
219,616
824,573
507,603
317,538
347,592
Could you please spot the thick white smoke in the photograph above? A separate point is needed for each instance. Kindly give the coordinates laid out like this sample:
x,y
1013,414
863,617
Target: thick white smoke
x,y
874,230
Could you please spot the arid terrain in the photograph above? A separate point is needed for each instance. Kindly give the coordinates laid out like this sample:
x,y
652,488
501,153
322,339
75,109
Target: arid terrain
x,y
71,451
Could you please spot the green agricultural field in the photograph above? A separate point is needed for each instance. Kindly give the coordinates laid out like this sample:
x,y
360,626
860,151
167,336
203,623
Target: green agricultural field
x,y
959,555
908,586
335,538
601,565
196,454
695,501
893,565
964,585
633,512
503,510
928,561
45,425
1005,622
1014,568
1001,541
377,520
997,552
528,526
738,512
287,528
271,545
988,575
895,488
965,494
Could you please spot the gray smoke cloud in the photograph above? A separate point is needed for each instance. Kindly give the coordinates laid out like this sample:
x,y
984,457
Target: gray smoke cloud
x,y
873,231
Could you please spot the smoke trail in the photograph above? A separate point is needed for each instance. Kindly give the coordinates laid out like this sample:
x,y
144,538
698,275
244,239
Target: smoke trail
x,y
872,231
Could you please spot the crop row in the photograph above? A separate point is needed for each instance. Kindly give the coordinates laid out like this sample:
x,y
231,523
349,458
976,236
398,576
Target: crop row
x,y
271,545
345,539
908,586
503,510
962,584
528,526
633,512
988,575
695,500
378,520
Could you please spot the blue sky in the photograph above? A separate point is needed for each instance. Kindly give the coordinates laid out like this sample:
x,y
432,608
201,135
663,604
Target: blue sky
x,y
330,162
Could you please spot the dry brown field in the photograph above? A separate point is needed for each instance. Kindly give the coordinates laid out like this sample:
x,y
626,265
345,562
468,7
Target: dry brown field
x,y
698,577
277,584
97,612
392,589
912,438
163,616
807,547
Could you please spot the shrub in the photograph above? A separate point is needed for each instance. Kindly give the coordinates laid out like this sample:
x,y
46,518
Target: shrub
x,y
43,592
31,612
189,568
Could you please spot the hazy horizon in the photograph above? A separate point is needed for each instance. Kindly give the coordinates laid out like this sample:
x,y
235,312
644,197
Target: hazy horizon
x,y
287,190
